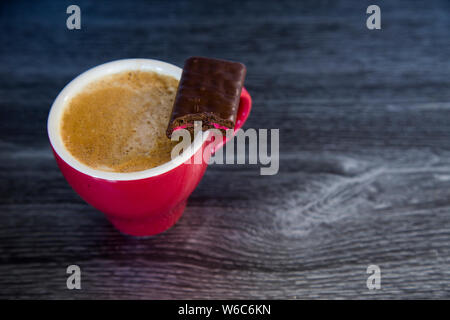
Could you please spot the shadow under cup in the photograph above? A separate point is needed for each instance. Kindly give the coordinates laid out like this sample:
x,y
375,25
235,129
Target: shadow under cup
x,y
137,203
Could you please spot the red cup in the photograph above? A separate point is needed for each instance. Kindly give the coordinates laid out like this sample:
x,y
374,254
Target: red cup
x,y
137,203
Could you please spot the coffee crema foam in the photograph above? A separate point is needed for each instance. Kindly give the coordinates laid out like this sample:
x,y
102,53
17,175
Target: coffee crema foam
x,y
118,123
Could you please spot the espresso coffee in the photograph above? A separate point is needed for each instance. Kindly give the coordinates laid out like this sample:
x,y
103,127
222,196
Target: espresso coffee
x,y
118,123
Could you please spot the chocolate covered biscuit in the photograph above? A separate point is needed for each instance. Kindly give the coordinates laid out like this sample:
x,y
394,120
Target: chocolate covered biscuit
x,y
209,91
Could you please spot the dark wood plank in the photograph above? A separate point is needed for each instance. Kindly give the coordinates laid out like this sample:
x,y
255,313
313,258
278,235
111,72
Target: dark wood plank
x,y
364,154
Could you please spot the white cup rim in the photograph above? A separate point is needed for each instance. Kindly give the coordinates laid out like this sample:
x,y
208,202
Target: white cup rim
x,y
73,87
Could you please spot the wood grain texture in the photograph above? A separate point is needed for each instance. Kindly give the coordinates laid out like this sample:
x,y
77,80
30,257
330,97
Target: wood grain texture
x,y
364,120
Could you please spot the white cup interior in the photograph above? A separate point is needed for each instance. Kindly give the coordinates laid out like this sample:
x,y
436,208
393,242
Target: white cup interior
x,y
77,84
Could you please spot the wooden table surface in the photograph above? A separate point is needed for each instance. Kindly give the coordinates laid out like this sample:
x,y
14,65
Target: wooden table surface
x,y
364,119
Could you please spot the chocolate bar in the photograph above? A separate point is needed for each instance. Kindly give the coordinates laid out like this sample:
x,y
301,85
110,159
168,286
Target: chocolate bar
x,y
209,91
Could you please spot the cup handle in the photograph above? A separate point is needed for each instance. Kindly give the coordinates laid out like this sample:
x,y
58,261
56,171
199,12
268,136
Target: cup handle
x,y
245,106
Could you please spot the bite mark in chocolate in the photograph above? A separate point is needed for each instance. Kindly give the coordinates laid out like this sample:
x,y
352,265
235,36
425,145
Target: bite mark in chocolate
x,y
209,91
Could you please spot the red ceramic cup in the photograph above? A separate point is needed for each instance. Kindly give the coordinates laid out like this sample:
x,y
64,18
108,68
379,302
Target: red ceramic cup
x,y
137,203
